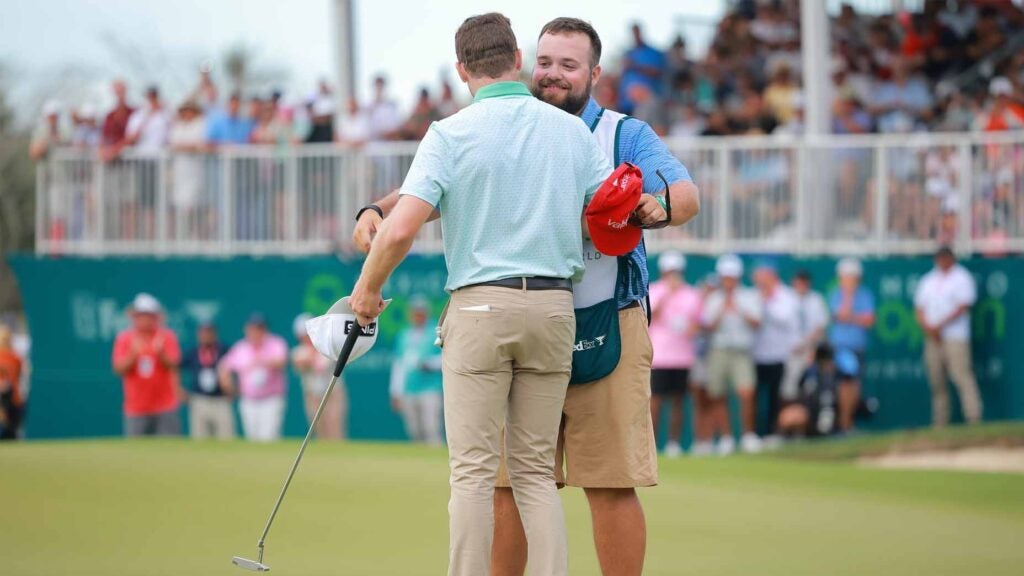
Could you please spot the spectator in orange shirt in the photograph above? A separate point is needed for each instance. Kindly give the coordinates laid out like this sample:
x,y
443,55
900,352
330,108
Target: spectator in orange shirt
x,y
1003,112
146,356
10,393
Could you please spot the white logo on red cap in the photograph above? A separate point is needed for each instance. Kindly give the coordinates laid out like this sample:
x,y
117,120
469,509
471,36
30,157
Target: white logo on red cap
x,y
617,225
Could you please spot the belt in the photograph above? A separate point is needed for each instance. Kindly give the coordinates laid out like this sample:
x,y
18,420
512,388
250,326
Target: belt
x,y
532,283
633,304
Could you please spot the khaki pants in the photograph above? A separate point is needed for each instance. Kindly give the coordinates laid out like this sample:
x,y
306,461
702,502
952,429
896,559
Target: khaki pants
x,y
211,417
506,364
955,358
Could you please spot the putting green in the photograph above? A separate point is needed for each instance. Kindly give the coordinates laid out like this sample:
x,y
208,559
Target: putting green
x,y
176,507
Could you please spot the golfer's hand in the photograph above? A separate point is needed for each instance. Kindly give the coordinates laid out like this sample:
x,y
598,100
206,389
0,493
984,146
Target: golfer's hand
x,y
396,404
366,229
366,304
649,210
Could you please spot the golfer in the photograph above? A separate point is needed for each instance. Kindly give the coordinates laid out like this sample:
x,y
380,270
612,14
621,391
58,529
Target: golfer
x,y
510,176
608,438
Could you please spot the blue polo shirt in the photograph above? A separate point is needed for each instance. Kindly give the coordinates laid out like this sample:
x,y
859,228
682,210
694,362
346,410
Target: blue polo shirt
x,y
640,146
223,129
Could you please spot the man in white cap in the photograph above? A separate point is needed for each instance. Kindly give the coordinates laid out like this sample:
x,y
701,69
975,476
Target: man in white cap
x,y
1003,113
852,309
85,132
732,315
48,134
675,321
146,357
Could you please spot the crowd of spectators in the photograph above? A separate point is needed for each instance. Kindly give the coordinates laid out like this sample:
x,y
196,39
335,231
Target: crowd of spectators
x,y
203,120
792,357
210,377
949,67
946,68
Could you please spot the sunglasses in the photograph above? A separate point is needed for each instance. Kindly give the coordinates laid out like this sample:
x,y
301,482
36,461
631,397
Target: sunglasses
x,y
634,220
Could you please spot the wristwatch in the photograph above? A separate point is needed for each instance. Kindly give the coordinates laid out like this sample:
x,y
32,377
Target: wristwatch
x,y
373,207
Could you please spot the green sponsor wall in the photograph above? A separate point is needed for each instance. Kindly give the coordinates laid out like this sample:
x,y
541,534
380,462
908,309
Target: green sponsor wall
x,y
75,307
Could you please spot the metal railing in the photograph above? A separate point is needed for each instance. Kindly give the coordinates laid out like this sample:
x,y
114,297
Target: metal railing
x,y
831,195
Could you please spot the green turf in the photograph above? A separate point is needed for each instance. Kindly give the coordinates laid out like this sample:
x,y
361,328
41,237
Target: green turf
x,y
175,507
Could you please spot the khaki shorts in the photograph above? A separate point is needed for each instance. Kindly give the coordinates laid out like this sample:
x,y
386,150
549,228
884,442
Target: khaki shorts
x,y
729,367
607,439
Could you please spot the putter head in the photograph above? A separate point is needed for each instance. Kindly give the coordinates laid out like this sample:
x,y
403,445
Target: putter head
x,y
250,564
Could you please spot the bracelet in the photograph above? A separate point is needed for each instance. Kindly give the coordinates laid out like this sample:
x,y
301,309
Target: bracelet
x,y
661,200
373,207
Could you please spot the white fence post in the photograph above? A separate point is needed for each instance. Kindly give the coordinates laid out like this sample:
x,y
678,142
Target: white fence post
x,y
881,221
722,232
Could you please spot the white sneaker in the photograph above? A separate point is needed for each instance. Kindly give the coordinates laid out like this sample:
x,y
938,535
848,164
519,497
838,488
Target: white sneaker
x,y
705,448
726,445
673,450
750,443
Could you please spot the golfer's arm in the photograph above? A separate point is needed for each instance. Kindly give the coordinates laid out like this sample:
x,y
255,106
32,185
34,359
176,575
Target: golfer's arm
x,y
388,203
685,202
395,238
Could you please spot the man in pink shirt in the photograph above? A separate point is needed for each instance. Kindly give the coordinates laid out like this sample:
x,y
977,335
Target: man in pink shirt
x,y
675,320
258,361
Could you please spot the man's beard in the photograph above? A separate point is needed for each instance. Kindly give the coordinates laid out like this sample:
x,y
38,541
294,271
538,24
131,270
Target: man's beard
x,y
573,103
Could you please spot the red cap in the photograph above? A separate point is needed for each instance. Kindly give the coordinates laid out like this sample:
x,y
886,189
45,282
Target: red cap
x,y
608,213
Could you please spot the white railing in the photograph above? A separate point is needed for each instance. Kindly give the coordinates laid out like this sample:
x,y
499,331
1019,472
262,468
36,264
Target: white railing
x,y
832,195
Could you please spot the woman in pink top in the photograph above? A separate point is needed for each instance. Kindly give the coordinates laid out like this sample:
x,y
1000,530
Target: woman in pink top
x,y
258,362
675,321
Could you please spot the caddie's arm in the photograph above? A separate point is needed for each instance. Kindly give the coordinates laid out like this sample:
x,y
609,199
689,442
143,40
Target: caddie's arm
x,y
651,154
393,241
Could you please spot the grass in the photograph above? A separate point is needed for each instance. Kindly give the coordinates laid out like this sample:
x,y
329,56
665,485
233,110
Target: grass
x,y
175,507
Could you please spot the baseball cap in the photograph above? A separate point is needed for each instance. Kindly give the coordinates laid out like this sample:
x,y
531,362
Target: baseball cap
x,y
849,267
729,266
51,108
144,304
1000,86
329,332
609,210
671,261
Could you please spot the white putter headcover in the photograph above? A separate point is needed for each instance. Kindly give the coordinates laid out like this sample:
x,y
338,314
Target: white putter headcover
x,y
328,332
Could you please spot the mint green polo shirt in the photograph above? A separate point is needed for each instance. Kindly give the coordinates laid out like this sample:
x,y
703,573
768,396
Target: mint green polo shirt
x,y
510,175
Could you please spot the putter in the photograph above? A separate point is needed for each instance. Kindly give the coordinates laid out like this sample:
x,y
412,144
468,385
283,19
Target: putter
x,y
258,565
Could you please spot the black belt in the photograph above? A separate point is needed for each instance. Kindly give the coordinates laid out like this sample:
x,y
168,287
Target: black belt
x,y
533,283
633,304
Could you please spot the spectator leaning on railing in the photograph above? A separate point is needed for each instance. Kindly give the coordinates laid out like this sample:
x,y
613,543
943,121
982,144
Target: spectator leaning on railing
x,y
115,124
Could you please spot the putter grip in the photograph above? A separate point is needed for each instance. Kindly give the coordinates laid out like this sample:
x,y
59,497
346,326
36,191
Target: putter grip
x,y
346,349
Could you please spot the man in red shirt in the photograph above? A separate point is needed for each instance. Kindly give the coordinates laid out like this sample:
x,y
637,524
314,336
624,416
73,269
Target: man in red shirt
x,y
115,125
146,356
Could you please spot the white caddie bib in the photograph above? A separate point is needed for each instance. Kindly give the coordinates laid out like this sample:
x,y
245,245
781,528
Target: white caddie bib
x,y
601,277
